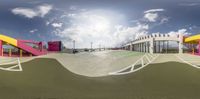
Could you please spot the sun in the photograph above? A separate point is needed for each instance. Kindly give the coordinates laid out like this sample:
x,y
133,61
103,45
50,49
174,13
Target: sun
x,y
99,23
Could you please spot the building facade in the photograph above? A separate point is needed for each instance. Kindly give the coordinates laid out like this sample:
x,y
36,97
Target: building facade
x,y
155,43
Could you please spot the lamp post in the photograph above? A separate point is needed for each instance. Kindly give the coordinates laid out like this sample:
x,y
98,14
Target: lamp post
x,y
74,46
91,46
99,47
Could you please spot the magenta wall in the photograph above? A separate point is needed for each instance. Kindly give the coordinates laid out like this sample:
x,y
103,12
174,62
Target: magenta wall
x,y
54,46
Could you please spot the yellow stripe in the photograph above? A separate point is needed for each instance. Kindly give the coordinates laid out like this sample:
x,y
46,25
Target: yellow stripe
x,y
8,40
192,38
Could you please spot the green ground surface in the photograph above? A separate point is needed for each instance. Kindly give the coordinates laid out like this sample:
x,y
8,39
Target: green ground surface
x,y
47,79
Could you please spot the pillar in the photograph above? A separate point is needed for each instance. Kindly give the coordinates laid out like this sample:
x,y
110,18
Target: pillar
x,y
167,47
10,52
199,47
40,46
180,43
1,48
151,46
20,52
2,51
131,47
144,47
159,47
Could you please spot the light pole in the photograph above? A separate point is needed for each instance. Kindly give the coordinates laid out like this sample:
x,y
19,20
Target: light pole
x,y
91,46
99,47
74,46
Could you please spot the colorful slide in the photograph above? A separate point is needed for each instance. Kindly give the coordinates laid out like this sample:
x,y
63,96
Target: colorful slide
x,y
22,45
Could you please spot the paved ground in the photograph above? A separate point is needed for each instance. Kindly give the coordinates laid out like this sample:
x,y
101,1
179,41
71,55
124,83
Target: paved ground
x,y
162,58
190,59
48,79
96,63
102,63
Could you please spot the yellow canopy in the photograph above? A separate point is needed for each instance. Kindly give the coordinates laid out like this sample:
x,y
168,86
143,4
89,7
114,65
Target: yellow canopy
x,y
192,39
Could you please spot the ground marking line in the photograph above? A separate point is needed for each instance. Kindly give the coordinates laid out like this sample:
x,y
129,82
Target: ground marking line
x,y
147,58
120,72
187,62
12,67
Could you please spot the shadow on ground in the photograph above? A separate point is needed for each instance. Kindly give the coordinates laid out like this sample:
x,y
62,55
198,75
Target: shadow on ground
x,y
47,79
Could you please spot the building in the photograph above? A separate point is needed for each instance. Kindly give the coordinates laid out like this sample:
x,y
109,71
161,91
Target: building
x,y
55,46
155,43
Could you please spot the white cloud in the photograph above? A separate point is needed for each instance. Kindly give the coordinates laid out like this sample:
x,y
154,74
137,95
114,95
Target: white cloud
x,y
47,23
189,4
33,31
73,7
153,10
39,11
124,34
71,15
29,13
91,26
103,27
164,20
151,16
175,33
183,31
57,25
44,9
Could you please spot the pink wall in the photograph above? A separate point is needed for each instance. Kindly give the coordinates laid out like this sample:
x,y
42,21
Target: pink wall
x,y
54,46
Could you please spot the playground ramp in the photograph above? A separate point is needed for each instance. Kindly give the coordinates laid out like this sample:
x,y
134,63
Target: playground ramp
x,y
22,45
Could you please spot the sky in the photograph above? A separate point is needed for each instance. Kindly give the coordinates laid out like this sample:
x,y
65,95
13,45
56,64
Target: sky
x,y
109,23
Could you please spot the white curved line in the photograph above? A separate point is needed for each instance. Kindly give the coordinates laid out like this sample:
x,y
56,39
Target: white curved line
x,y
8,63
132,69
12,67
187,62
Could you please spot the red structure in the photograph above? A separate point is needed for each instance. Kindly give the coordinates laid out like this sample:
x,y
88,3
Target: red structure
x,y
54,46
21,47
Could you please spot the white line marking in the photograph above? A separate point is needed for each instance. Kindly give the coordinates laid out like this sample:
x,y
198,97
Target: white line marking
x,y
187,62
12,68
132,66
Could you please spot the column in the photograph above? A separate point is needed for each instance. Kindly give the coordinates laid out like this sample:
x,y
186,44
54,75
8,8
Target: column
x,y
180,43
151,47
144,47
40,46
21,52
167,46
1,48
159,47
163,47
10,52
199,48
131,47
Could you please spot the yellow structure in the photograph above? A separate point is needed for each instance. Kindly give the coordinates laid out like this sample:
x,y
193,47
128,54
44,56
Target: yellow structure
x,y
193,39
9,40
